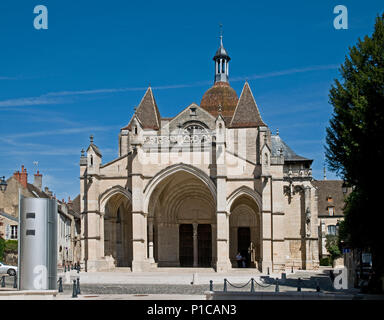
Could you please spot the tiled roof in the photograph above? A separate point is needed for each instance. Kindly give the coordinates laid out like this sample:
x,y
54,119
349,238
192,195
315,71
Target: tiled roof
x,y
220,94
332,188
247,113
75,207
289,155
36,191
147,112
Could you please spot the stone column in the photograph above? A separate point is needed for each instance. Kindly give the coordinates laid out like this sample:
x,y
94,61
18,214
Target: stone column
x,y
150,240
195,246
139,217
266,221
223,263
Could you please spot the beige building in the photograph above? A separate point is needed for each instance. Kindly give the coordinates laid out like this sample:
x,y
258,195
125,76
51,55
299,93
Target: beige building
x,y
331,202
195,189
68,214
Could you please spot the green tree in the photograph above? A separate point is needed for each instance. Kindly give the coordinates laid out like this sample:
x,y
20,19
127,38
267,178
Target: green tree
x,y
332,246
355,142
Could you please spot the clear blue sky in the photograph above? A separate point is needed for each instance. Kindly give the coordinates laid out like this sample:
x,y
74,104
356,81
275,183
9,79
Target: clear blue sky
x,y
60,85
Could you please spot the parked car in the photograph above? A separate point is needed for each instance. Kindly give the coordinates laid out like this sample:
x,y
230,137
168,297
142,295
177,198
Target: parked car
x,y
11,270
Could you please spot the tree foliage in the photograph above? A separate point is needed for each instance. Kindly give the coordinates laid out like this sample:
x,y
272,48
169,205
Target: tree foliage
x,y
355,140
332,246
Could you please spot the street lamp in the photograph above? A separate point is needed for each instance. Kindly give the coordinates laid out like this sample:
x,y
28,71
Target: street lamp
x,y
3,184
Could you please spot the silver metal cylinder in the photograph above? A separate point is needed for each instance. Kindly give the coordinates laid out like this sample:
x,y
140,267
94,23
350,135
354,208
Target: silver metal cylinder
x,y
37,244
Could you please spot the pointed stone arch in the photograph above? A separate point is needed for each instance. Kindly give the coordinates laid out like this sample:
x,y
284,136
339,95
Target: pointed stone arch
x,y
163,174
241,192
110,192
244,206
115,206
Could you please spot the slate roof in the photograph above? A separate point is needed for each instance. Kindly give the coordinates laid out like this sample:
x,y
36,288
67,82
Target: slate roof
x,y
331,188
288,153
147,112
95,148
247,113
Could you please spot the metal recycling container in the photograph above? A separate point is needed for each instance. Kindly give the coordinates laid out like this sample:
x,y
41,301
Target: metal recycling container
x,y
37,244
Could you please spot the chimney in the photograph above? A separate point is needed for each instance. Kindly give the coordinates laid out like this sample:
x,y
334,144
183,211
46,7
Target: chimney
x,y
22,176
38,180
47,191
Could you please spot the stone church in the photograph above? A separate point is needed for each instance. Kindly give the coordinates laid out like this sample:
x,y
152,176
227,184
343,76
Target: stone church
x,y
196,189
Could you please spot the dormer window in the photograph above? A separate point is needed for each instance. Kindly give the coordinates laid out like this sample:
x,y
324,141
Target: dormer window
x,y
331,211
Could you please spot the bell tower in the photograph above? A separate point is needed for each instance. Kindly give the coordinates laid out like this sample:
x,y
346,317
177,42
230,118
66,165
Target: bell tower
x,y
221,59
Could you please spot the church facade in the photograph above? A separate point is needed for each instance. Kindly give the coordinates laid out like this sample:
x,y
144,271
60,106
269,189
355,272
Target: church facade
x,y
197,189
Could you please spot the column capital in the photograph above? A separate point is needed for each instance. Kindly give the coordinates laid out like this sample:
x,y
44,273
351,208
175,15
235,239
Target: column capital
x,y
222,212
144,214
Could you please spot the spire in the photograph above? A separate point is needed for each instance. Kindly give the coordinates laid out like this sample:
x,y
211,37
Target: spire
x,y
221,59
147,112
221,35
247,113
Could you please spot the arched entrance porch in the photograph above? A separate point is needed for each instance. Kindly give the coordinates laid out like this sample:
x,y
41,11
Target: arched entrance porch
x,y
182,221
245,229
118,229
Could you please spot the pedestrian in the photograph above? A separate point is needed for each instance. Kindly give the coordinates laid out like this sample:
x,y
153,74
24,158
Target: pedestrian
x,y
239,259
243,262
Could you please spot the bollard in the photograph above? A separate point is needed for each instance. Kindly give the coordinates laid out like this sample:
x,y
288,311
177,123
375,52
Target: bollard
x,y
277,289
268,270
292,269
225,285
15,281
78,286
65,268
317,285
252,285
299,284
3,281
74,291
210,285
61,284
